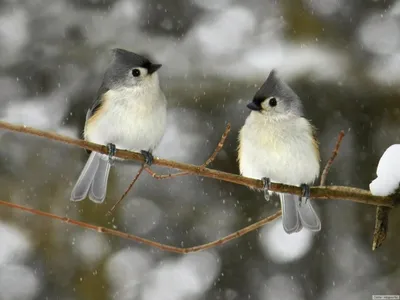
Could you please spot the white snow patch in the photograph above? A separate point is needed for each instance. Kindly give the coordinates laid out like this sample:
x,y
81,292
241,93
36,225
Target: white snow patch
x,y
350,259
217,222
123,17
291,60
182,138
14,245
282,247
324,7
395,10
14,34
10,89
140,215
281,287
227,32
126,270
186,278
68,131
388,172
385,69
128,10
380,34
18,282
42,113
90,247
213,5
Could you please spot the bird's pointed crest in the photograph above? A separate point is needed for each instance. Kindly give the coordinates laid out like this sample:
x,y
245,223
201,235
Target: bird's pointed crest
x,y
129,58
275,87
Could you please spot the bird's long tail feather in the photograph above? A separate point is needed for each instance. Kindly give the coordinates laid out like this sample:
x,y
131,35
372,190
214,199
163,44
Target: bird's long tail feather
x,y
308,216
82,185
98,189
297,212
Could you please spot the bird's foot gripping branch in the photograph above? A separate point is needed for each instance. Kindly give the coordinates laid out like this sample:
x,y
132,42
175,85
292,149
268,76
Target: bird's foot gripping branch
x,y
321,192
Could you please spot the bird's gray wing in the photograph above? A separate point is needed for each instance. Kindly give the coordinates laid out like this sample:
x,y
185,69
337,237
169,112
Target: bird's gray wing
x,y
82,185
98,189
290,216
89,172
308,216
95,105
97,102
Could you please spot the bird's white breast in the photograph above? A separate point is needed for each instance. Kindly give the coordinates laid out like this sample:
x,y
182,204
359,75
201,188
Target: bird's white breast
x,y
129,119
282,150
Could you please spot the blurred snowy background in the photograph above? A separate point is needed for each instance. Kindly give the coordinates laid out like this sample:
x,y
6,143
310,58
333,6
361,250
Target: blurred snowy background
x,y
341,57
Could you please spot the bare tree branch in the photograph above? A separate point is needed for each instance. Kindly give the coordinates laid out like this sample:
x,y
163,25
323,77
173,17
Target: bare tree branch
x,y
382,222
381,226
333,192
323,193
143,240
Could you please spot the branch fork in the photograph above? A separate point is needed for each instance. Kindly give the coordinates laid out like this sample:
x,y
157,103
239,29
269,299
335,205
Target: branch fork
x,y
321,192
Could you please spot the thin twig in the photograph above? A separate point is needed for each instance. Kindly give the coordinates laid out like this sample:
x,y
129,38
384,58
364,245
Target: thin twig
x,y
143,240
324,192
381,226
165,176
382,222
208,161
219,146
236,234
127,191
333,156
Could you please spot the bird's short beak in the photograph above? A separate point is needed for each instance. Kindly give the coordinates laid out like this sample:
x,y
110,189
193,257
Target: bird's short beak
x,y
254,106
153,68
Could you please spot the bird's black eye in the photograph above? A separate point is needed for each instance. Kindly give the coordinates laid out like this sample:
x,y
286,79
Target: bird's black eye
x,y
136,72
272,102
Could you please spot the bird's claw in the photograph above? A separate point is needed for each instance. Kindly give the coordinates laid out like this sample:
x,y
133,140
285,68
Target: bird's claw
x,y
111,152
267,184
148,157
305,191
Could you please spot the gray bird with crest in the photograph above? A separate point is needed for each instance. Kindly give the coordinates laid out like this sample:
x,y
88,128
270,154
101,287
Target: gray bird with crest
x,y
129,113
277,144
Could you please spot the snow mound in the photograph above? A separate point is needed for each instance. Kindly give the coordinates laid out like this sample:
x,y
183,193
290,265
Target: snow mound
x,y
388,172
